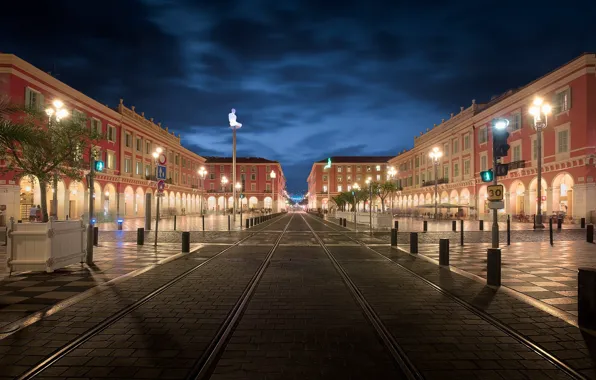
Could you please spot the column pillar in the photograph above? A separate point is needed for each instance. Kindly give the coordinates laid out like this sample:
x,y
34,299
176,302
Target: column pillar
x,y
549,201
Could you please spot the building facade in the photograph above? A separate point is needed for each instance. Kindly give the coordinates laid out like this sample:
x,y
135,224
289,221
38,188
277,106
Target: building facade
x,y
344,172
568,152
259,189
128,179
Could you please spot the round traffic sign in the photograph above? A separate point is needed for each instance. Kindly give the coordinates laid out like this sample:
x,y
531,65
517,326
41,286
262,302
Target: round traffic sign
x,y
161,159
161,185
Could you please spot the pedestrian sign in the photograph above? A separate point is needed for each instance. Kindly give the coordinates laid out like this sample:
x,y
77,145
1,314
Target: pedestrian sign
x,y
495,192
161,172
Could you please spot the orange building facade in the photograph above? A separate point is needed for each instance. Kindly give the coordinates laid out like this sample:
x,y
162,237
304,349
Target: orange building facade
x,y
128,180
568,147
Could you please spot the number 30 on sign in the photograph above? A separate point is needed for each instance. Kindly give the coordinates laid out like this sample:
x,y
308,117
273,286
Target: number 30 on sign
x,y
495,192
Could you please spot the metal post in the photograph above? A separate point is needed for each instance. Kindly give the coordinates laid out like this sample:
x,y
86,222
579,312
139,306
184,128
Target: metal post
x,y
229,225
582,223
454,226
461,231
89,258
493,267
370,206
247,221
495,229
508,229
240,213
148,212
186,242
586,305
444,252
539,187
590,233
481,225
55,197
393,237
174,222
140,236
203,221
550,228
201,200
156,219
96,236
424,225
436,161
355,210
413,242
234,173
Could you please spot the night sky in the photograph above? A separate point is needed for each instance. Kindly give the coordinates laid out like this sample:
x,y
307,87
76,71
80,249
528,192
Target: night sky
x,y
309,78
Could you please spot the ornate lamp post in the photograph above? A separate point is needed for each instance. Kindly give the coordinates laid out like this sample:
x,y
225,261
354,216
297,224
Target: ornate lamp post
x,y
355,188
158,194
436,155
273,175
369,183
392,173
224,183
202,174
56,112
540,111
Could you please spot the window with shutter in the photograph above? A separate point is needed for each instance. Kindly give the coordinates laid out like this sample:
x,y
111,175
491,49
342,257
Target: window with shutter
x,y
517,153
563,141
516,121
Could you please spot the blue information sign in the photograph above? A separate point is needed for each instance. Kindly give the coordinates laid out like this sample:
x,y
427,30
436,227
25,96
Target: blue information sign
x,y
161,172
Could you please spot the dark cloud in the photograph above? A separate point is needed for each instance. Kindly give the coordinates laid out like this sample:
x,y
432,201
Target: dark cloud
x,y
309,78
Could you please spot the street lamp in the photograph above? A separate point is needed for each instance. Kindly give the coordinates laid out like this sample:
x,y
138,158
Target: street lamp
x,y
355,188
392,173
234,125
328,168
224,182
369,183
158,193
273,175
202,174
540,111
436,155
56,112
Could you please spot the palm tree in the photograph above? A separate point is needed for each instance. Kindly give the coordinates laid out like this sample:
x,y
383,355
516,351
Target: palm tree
x,y
13,132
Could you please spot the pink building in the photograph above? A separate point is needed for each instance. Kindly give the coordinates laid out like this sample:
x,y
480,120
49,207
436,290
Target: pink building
x,y
260,189
569,151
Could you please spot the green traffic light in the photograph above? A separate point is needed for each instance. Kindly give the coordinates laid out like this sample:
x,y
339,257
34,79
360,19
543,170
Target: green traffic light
x,y
487,176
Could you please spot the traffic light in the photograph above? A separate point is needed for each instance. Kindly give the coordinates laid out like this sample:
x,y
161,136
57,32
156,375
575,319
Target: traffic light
x,y
502,170
99,166
241,196
500,146
487,176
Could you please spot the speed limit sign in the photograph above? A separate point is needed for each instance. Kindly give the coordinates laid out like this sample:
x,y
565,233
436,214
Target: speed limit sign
x,y
495,192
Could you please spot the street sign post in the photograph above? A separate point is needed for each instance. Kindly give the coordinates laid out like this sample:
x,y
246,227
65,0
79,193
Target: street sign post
x,y
161,172
495,193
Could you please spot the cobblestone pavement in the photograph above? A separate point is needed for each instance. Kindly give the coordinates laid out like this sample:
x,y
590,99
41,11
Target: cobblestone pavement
x,y
302,322
183,223
24,293
548,274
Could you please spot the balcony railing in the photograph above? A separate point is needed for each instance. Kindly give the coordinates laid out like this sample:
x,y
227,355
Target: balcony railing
x,y
432,183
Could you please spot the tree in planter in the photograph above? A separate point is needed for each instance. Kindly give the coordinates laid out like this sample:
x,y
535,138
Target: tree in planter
x,y
339,201
361,196
49,151
384,190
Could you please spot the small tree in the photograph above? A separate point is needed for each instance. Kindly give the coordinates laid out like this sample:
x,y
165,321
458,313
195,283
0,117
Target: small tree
x,y
49,150
385,189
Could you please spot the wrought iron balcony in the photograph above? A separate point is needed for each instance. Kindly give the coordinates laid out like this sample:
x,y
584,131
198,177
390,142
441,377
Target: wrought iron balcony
x,y
432,183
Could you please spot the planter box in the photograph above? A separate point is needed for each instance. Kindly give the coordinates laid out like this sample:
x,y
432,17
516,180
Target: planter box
x,y
45,246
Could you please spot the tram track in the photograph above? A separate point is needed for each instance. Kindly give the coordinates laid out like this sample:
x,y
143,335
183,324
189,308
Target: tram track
x,y
533,346
397,353
66,349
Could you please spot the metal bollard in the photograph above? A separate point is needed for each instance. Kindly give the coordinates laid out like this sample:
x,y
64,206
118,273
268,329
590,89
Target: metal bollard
x,y
550,230
174,222
481,226
454,226
186,242
493,267
345,222
341,222
229,224
508,229
583,222
203,221
396,225
444,252
461,232
246,222
413,242
393,237
425,226
96,236
559,223
586,300
252,222
120,222
140,236
590,233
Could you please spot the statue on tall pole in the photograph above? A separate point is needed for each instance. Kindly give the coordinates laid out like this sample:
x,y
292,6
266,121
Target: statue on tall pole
x,y
234,125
